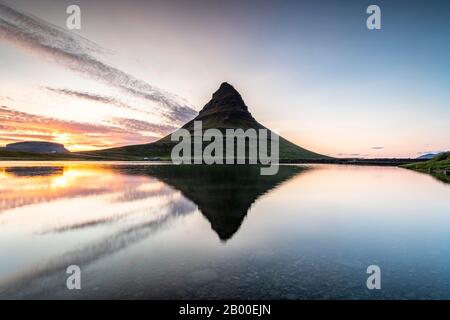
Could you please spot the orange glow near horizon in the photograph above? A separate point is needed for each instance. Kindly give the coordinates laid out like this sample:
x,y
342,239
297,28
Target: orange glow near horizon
x,y
18,126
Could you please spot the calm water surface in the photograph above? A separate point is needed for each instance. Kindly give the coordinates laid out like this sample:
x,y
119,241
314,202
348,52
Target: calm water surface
x,y
161,231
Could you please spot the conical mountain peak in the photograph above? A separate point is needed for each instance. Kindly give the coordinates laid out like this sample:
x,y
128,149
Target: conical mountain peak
x,y
225,99
226,90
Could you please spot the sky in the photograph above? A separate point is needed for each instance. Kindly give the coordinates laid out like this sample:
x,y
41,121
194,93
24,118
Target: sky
x,y
312,70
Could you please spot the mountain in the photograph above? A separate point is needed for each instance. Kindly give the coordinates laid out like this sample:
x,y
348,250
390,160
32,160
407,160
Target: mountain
x,y
36,147
226,110
427,156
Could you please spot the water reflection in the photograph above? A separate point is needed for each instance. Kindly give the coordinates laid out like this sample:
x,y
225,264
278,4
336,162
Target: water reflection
x,y
223,194
89,212
35,171
22,186
445,178
142,231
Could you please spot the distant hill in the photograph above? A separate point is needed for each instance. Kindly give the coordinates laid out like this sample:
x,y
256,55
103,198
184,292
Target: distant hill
x,y
36,147
427,156
226,110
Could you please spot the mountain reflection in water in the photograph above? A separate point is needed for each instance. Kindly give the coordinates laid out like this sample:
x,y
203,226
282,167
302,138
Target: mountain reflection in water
x,y
223,194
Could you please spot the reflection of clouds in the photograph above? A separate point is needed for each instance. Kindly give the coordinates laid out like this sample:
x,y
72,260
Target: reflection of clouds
x,y
134,194
133,208
81,55
182,207
101,248
88,223
177,207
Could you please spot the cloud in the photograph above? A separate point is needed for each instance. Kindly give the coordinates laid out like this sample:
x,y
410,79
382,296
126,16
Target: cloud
x,y
79,54
92,97
352,155
139,125
376,148
348,154
16,119
18,126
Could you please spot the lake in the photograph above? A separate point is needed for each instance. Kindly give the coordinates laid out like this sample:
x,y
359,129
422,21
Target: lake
x,y
159,231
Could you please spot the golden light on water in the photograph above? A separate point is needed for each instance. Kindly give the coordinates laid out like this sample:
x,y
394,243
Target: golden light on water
x,y
20,186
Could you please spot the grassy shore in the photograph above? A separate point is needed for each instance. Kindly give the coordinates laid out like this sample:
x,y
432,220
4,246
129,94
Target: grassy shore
x,y
439,166
438,163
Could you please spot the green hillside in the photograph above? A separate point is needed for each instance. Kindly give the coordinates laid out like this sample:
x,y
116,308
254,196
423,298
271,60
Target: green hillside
x,y
439,166
440,162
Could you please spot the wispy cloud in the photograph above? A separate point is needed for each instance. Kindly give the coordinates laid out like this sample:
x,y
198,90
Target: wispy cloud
x,y
92,97
351,155
139,125
376,148
81,55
